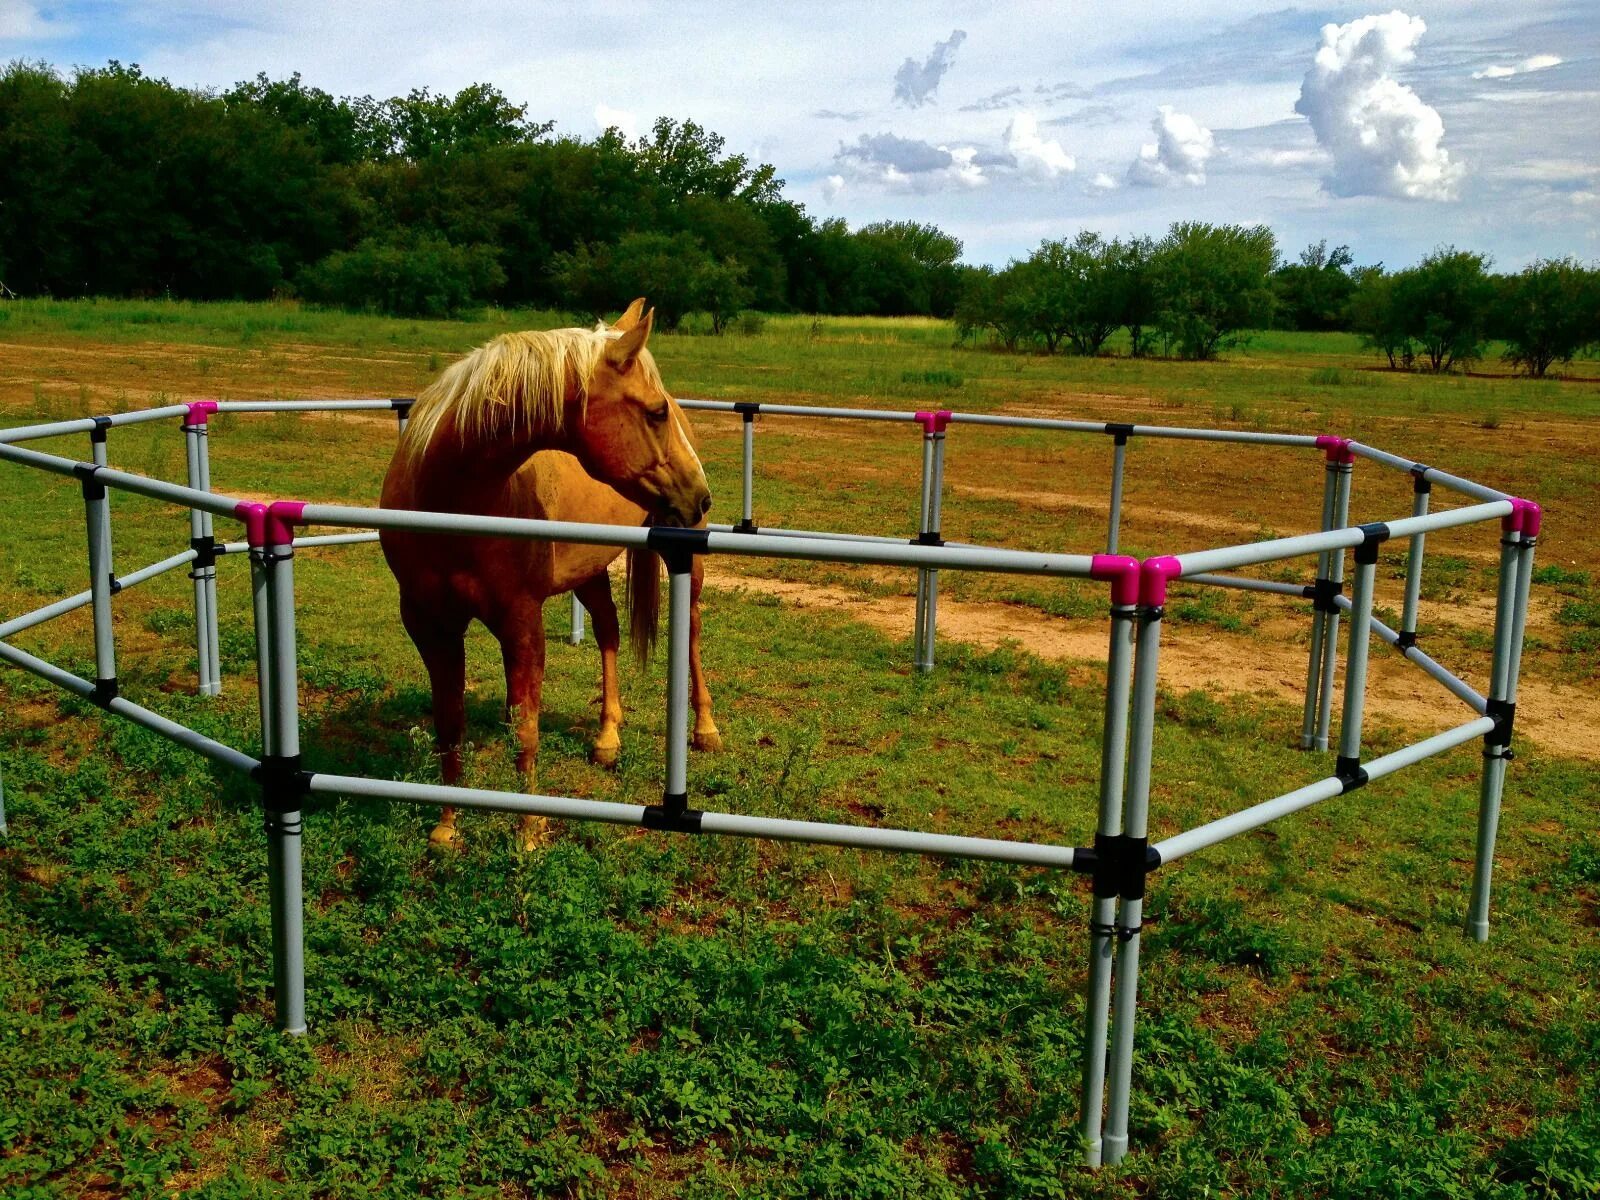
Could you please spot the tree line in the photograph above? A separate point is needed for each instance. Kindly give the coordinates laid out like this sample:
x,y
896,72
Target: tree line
x,y
113,183
1202,288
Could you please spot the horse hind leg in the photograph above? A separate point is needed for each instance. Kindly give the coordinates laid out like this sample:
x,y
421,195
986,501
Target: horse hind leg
x,y
706,736
444,654
521,639
596,597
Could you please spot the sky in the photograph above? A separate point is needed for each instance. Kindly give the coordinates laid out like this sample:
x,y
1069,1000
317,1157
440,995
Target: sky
x,y
1392,130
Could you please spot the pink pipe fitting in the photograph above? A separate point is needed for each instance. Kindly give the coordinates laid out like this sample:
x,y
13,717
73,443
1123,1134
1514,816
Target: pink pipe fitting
x,y
1336,448
934,422
1122,571
1525,518
200,412
269,524
1154,575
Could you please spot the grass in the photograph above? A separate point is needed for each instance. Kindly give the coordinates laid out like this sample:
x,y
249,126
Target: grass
x,y
631,1015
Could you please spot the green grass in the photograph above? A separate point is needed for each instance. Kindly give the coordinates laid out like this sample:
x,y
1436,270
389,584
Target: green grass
x,y
628,1014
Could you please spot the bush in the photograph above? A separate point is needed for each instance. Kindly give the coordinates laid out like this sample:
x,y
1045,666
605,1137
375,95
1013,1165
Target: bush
x,y
1213,281
1547,314
427,277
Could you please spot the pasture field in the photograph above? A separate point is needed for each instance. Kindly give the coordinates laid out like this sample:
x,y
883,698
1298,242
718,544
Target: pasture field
x,y
625,1014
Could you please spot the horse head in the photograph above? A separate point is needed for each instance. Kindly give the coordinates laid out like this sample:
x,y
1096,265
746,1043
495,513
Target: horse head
x,y
633,435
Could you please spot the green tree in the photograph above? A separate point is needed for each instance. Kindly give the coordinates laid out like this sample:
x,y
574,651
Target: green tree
x,y
1213,281
1376,316
1314,293
1133,282
667,268
1547,313
1093,303
720,291
1444,304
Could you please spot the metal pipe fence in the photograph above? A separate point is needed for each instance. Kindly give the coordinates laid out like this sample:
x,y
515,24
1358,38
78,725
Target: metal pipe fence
x,y
1121,857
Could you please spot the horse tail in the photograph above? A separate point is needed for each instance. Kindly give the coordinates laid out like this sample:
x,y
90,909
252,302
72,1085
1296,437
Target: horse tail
x,y
644,600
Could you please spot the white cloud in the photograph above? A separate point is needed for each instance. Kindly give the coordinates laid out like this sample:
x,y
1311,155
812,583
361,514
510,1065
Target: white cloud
x,y
1539,62
910,165
832,186
1178,155
1384,140
915,83
1033,155
1102,183
620,119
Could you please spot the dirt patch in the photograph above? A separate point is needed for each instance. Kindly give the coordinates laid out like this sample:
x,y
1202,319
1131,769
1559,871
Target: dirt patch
x,y
1269,664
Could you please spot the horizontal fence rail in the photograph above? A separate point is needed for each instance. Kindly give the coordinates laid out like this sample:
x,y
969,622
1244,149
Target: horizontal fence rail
x,y
1122,855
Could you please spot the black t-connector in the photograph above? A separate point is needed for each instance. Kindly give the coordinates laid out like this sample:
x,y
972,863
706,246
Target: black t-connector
x,y
677,546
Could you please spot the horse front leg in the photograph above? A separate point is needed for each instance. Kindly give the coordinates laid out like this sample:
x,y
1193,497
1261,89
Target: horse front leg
x,y
444,654
706,736
596,597
522,649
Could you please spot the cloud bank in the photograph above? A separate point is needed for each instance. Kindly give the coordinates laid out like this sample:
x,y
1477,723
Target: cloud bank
x,y
1539,62
910,165
1177,156
1384,141
915,83
1032,155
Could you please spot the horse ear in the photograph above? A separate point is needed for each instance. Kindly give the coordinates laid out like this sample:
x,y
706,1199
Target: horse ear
x,y
630,318
621,352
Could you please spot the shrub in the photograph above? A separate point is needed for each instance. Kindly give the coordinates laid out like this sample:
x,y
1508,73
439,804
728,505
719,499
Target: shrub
x,y
425,277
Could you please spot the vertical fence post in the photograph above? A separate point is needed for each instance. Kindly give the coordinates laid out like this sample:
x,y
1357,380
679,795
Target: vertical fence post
x,y
271,536
1421,489
1119,454
203,571
1520,531
747,467
1344,467
402,413
98,524
1348,764
576,636
1322,604
1132,861
677,548
1124,575
925,632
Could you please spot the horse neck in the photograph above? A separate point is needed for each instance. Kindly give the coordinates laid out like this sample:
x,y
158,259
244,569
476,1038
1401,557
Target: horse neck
x,y
472,474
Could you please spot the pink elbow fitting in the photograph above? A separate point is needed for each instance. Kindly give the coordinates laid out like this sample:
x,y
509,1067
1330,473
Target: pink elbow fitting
x,y
1336,448
1122,571
269,524
1154,575
934,422
200,412
282,517
1525,518
254,515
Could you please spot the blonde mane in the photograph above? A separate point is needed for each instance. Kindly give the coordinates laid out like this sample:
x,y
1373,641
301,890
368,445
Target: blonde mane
x,y
516,383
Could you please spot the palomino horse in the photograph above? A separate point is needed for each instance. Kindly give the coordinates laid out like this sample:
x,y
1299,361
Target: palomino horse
x,y
563,425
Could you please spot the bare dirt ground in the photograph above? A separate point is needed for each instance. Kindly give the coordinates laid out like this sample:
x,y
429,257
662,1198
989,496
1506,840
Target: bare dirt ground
x,y
1270,664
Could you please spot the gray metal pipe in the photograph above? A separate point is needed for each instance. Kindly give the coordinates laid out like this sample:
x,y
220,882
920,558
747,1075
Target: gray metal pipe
x,y
817,833
1455,483
1254,553
97,521
575,636
1355,671
1103,909
1240,583
748,470
804,410
1257,815
1414,553
1135,824
1342,477
72,603
679,588
284,826
138,714
1119,455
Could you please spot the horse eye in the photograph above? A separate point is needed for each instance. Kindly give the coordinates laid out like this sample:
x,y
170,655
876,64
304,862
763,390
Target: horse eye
x,y
658,416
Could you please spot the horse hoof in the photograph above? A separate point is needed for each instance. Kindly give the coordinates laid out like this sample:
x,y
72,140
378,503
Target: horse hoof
x,y
604,755
710,741
443,836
